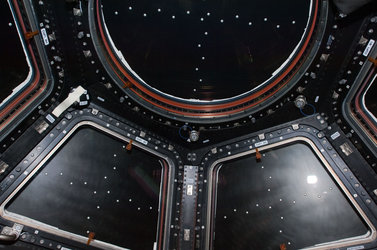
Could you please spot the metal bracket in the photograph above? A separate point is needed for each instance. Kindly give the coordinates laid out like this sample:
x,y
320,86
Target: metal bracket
x,y
188,213
11,233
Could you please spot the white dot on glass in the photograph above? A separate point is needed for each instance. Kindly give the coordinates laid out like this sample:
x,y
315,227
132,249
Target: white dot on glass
x,y
221,20
206,33
265,19
208,14
88,217
293,22
145,14
202,19
237,16
188,12
250,23
108,191
130,8
159,10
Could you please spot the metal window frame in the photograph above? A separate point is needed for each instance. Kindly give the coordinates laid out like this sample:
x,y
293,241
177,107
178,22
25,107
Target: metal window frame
x,y
72,236
370,236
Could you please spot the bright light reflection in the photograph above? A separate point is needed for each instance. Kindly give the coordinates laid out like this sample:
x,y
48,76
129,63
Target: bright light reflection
x,y
312,179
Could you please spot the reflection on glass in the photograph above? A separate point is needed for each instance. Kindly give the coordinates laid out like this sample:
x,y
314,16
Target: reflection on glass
x,y
287,198
90,192
312,179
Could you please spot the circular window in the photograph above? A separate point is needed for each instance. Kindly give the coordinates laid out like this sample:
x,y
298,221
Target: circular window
x,y
205,59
